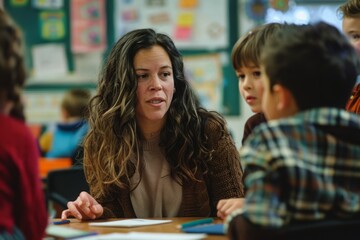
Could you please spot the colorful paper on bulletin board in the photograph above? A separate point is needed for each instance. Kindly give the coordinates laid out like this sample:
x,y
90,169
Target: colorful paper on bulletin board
x,y
88,26
52,25
182,33
185,20
48,4
188,3
184,26
18,3
153,3
205,75
207,21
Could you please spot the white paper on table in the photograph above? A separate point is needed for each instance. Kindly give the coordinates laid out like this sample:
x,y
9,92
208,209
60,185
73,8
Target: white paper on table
x,y
129,223
148,236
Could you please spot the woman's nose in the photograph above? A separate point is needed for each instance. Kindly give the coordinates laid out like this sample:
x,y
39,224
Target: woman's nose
x,y
155,83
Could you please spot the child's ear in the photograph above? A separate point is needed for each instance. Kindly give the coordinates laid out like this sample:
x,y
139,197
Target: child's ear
x,y
285,101
64,114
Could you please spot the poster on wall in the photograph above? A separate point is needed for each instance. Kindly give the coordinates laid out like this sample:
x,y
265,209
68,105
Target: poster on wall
x,y
88,26
205,74
52,25
49,60
48,4
42,107
18,3
192,24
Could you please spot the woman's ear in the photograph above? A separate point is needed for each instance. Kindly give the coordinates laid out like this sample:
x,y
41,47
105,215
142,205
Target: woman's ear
x,y
285,101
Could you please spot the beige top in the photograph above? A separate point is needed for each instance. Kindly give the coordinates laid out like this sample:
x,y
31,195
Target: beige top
x,y
157,195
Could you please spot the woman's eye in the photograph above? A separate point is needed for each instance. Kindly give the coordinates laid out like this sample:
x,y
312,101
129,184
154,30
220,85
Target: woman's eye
x,y
165,74
141,76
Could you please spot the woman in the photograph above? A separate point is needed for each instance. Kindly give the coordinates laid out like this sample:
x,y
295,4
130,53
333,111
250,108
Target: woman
x,y
151,150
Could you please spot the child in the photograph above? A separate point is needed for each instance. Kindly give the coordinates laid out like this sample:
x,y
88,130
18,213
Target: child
x,y
65,139
246,62
245,58
351,27
22,203
303,162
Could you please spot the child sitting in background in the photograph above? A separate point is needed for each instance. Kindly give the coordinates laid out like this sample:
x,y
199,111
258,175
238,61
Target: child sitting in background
x,y
64,139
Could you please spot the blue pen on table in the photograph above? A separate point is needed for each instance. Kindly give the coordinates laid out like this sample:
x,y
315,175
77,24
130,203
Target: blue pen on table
x,y
196,222
61,222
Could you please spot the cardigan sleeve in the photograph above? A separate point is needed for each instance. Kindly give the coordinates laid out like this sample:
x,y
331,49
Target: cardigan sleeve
x,y
224,168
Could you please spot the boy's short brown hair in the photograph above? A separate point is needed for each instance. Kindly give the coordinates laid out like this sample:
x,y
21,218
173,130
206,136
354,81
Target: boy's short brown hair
x,y
350,9
75,102
247,49
315,62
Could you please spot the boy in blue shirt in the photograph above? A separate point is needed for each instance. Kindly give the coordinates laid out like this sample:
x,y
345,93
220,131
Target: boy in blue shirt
x,y
63,139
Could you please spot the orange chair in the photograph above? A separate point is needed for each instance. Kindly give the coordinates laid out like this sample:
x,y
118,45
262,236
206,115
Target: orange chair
x,y
35,129
49,164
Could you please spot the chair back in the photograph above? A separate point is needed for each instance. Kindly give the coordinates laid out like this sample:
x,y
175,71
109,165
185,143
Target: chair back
x,y
50,164
65,185
331,229
328,229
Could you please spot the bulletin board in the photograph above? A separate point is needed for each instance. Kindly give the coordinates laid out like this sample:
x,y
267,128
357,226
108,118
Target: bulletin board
x,y
190,23
205,74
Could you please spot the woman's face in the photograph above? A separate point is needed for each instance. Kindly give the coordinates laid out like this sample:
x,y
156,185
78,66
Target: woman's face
x,y
155,88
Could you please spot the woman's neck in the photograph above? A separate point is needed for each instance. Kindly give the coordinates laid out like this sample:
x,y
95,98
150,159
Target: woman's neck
x,y
150,130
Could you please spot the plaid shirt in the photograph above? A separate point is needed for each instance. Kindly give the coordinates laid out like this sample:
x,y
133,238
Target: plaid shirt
x,y
298,171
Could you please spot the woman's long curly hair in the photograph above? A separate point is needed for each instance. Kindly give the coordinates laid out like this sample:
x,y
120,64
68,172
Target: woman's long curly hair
x,y
114,138
12,69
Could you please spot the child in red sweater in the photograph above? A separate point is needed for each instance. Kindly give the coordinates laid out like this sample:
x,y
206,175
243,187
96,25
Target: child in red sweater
x,y
22,203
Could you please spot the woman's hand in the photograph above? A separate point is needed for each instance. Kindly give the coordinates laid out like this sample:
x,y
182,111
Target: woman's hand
x,y
227,206
84,207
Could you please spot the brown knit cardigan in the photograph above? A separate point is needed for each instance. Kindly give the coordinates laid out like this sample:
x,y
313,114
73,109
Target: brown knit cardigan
x,y
223,180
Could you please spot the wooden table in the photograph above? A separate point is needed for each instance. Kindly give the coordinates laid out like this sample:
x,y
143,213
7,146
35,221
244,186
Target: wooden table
x,y
161,228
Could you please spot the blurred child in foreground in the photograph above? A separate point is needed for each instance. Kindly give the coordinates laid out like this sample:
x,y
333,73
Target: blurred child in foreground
x,y
22,203
63,139
304,162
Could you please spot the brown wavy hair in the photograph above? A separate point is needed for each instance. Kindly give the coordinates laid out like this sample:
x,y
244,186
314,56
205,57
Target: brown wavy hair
x,y
12,69
114,138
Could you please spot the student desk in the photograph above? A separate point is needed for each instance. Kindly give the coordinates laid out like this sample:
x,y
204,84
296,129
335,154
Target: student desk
x,y
164,228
